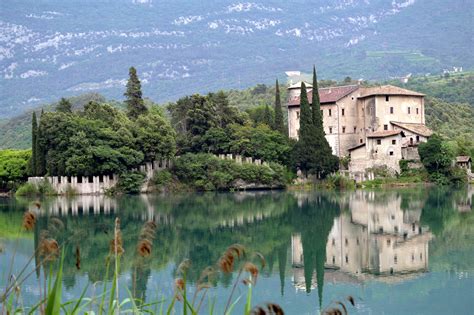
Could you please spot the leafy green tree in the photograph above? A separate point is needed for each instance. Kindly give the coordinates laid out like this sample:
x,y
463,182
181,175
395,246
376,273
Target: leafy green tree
x,y
435,155
133,94
226,114
279,125
267,117
14,167
34,143
64,106
155,137
259,114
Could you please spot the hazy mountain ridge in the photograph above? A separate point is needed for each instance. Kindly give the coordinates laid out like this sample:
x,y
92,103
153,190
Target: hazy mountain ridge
x,y
52,49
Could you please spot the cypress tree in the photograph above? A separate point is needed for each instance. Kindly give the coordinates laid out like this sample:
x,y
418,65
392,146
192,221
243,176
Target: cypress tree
x,y
40,151
304,146
306,119
279,125
316,103
134,100
34,133
64,106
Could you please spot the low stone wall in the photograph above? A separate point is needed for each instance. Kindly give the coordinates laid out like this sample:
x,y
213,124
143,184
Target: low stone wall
x,y
241,159
82,185
91,185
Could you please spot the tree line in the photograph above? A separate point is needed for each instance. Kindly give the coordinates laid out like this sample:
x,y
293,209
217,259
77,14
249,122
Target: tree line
x,y
101,139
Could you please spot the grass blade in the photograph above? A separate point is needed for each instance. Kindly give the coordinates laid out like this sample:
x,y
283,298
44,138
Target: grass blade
x,y
53,306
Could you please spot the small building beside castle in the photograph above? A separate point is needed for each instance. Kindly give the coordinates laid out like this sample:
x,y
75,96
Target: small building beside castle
x,y
374,125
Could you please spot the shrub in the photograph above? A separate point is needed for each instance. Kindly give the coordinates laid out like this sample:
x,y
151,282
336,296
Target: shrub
x,y
130,182
208,172
162,178
42,188
27,189
339,181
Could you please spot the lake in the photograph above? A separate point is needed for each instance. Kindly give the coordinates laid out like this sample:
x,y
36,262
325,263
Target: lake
x,y
396,251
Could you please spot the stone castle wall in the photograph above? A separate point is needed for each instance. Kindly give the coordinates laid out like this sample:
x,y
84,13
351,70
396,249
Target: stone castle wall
x,y
99,184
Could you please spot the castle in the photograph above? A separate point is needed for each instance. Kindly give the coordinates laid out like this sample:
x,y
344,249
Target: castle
x,y
375,126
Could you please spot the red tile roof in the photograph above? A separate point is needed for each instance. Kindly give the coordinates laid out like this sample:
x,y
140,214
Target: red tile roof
x,y
463,159
383,134
387,90
419,129
327,95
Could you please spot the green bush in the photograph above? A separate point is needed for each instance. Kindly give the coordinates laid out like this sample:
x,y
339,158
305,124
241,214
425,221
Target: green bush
x,y
339,181
208,172
130,183
162,178
43,188
27,189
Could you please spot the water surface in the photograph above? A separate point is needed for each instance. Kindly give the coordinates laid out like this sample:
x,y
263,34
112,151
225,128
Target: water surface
x,y
396,251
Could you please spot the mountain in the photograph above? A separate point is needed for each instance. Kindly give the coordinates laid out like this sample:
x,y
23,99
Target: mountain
x,y
50,49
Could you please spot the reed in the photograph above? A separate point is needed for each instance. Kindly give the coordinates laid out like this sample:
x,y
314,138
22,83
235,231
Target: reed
x,y
234,259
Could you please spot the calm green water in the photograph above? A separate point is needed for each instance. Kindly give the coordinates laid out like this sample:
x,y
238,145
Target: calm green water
x,y
397,251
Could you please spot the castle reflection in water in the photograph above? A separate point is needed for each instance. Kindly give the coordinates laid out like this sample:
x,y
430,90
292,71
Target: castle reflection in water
x,y
373,240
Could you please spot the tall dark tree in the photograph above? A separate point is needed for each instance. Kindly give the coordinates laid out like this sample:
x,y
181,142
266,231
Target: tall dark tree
x,y
34,136
313,152
316,104
134,99
40,149
267,116
64,106
279,124
304,148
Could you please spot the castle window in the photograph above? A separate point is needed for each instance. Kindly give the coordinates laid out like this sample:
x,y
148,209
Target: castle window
x,y
417,138
394,141
346,242
391,152
385,127
343,129
391,110
421,256
357,240
330,129
389,242
330,113
333,242
333,260
297,114
379,141
342,112
417,110
395,259
355,129
347,259
409,110
412,257
387,98
360,140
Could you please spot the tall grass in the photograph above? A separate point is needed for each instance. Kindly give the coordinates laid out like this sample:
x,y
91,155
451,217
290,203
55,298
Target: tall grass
x,y
234,259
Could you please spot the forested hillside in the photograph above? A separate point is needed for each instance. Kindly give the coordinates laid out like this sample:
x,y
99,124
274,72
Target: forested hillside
x,y
449,106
